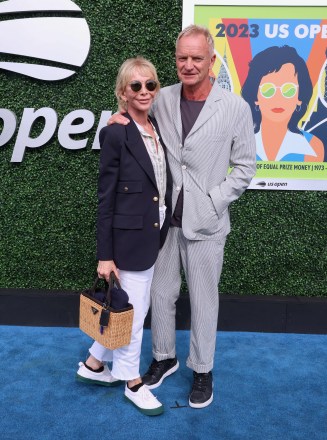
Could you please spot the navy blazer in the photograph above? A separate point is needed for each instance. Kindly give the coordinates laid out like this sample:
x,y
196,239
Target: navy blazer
x,y
128,229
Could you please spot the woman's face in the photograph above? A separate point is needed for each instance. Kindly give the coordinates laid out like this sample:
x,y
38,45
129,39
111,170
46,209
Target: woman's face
x,y
278,94
139,101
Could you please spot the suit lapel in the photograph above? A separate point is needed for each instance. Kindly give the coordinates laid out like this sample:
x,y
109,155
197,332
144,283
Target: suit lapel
x,y
176,117
176,111
137,148
209,108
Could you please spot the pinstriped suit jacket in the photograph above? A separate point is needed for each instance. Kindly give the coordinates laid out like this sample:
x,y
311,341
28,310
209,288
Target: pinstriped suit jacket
x,y
221,137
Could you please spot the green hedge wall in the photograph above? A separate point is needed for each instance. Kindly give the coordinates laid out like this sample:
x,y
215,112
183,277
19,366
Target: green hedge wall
x,y
48,202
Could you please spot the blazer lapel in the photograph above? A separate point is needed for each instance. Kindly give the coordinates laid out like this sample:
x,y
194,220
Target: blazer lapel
x,y
137,148
176,111
209,107
176,117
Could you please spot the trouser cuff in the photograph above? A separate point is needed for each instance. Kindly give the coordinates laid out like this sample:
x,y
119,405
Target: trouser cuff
x,y
199,368
162,357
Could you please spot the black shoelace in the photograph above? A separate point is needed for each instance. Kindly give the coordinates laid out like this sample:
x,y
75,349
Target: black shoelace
x,y
155,366
200,381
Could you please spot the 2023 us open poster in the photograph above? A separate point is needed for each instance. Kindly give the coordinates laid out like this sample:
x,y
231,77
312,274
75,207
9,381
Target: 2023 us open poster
x,y
275,57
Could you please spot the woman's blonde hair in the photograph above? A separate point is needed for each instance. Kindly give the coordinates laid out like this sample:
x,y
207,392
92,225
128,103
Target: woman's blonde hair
x,y
125,73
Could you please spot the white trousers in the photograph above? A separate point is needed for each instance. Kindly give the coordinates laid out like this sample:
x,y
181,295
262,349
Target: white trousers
x,y
126,360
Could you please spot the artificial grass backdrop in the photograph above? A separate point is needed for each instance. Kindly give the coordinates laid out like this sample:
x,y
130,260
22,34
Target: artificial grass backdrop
x,y
48,201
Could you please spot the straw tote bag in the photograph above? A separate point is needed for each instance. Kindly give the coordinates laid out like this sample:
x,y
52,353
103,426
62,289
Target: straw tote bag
x,y
111,327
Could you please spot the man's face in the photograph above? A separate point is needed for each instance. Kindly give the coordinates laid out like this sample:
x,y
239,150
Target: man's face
x,y
193,60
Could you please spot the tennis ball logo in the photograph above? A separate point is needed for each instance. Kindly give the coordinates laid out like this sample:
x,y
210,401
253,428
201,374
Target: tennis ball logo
x,y
38,43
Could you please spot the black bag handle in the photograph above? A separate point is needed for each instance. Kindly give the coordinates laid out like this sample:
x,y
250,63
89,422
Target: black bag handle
x,y
113,280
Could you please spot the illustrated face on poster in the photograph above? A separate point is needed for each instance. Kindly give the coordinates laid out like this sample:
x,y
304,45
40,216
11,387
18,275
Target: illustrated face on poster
x,y
275,58
278,89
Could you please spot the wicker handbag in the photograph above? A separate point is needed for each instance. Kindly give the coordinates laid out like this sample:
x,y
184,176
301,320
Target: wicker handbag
x,y
111,327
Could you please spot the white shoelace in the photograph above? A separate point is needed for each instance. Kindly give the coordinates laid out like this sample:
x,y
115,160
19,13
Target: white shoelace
x,y
147,393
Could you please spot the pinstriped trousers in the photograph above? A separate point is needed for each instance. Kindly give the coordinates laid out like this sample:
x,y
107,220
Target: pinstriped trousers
x,y
202,263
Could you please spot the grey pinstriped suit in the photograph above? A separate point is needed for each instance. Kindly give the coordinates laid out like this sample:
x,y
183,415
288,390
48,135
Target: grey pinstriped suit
x,y
221,137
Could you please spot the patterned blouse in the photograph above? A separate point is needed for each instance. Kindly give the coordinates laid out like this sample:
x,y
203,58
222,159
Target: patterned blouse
x,y
157,159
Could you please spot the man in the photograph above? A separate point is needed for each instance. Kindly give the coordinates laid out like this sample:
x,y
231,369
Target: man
x,y
206,130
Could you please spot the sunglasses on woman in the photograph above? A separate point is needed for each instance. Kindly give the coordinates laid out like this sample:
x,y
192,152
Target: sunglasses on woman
x,y
288,90
150,85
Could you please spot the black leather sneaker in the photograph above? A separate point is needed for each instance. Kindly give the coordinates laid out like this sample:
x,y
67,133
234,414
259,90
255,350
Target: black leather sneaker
x,y
158,370
201,393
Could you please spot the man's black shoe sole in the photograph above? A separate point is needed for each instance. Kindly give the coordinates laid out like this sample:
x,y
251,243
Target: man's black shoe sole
x,y
201,405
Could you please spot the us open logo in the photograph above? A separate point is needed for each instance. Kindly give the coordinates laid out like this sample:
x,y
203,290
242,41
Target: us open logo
x,y
36,43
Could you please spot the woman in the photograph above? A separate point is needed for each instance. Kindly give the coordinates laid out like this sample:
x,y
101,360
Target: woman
x,y
278,88
134,211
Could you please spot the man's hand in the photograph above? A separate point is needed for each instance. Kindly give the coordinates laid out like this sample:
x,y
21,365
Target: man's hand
x,y
105,268
118,118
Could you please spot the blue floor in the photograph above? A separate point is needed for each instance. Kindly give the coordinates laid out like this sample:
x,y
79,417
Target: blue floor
x,y
267,387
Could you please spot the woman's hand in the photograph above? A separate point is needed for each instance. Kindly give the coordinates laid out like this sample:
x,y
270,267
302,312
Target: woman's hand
x,y
105,268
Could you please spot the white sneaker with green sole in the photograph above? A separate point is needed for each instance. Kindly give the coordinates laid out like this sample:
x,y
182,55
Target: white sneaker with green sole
x,y
105,378
144,401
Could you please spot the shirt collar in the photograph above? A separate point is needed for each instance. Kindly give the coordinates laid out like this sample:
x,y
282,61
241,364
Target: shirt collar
x,y
144,133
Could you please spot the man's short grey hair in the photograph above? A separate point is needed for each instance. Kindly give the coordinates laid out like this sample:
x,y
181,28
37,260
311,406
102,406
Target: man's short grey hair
x,y
194,29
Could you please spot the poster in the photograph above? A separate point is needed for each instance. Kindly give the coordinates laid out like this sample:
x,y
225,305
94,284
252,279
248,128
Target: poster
x,y
275,57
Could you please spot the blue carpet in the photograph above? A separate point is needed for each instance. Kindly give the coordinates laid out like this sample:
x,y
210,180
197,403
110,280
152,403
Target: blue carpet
x,y
267,387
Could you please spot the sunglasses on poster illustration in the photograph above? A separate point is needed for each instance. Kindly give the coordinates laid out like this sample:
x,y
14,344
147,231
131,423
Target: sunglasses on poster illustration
x,y
288,90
